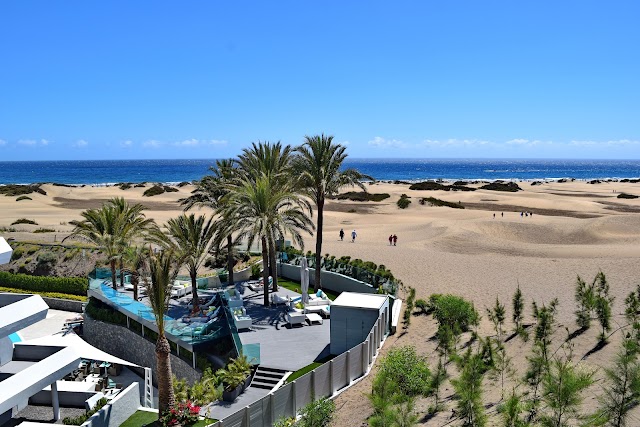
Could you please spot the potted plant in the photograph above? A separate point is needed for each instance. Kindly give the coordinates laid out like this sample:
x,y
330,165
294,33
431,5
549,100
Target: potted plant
x,y
243,365
233,380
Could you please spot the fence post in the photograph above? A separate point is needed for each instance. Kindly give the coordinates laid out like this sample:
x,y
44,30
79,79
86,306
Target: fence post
x,y
331,378
363,357
294,389
272,404
313,385
348,367
247,417
370,347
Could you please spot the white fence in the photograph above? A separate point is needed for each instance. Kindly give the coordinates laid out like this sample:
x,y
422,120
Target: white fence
x,y
324,381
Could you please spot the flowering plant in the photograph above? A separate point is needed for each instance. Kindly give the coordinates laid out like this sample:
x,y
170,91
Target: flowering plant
x,y
184,414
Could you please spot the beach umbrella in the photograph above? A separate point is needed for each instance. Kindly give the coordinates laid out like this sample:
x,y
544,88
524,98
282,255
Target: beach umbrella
x,y
304,280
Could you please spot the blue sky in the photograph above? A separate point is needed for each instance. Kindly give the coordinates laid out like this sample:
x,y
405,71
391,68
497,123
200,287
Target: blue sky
x,y
541,79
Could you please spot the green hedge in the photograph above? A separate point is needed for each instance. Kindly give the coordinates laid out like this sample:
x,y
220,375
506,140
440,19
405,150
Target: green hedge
x,y
63,285
45,294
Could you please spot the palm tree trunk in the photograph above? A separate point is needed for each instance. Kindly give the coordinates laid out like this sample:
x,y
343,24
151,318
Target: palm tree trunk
x,y
317,284
272,263
194,290
166,398
230,258
134,282
121,272
114,280
265,270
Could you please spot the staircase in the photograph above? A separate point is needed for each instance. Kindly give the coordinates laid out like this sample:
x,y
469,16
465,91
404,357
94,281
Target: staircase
x,y
267,378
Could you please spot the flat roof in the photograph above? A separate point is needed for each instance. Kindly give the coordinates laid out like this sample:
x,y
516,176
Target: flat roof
x,y
357,300
5,251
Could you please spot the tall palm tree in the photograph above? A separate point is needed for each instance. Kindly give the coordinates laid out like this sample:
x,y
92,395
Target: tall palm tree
x,y
211,192
274,161
192,236
134,258
261,210
162,268
318,165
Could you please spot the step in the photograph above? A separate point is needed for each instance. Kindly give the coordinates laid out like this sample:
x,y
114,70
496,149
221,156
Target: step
x,y
268,375
273,381
256,384
272,370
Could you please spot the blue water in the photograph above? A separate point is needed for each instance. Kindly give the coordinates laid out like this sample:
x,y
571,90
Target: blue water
x,y
113,171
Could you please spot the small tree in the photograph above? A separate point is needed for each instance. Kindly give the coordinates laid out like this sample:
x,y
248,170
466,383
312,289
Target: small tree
x,y
318,413
545,325
518,311
511,411
622,391
497,315
585,299
502,367
603,303
468,388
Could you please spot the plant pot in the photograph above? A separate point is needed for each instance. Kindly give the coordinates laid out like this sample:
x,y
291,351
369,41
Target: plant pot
x,y
231,396
246,383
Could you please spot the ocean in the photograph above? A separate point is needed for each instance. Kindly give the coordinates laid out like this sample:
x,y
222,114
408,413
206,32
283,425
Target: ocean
x,y
102,172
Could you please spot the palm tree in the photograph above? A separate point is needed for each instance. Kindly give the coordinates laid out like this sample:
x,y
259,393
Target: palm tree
x,y
134,258
192,236
211,192
162,268
274,161
262,210
318,165
112,228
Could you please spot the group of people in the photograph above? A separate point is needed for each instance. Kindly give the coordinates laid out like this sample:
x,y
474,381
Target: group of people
x,y
523,213
353,235
393,239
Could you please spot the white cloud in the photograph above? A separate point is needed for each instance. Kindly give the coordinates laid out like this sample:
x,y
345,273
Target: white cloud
x,y
81,143
611,143
152,143
380,142
126,144
197,142
345,143
33,142
2,142
453,143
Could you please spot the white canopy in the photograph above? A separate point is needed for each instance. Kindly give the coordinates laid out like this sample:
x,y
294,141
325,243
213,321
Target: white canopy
x,y
304,280
5,251
83,348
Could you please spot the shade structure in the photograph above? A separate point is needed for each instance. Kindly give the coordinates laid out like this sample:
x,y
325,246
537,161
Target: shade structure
x,y
5,251
304,280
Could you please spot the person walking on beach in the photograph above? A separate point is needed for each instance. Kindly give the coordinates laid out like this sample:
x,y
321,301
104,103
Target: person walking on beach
x,y
395,239
494,215
502,213
390,239
341,234
353,236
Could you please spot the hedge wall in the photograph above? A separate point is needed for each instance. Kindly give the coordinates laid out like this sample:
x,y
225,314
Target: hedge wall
x,y
64,285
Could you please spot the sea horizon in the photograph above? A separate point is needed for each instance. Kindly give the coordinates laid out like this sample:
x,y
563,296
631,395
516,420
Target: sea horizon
x,y
171,171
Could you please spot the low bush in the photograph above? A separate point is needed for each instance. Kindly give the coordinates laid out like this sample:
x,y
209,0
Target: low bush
x,y
19,190
44,230
153,191
403,202
64,285
454,311
437,202
19,199
433,186
102,312
80,419
627,196
318,413
124,185
45,294
511,187
17,253
24,221
46,258
8,230
170,189
362,196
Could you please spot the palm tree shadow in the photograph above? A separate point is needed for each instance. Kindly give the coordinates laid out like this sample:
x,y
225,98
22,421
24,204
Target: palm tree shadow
x,y
576,333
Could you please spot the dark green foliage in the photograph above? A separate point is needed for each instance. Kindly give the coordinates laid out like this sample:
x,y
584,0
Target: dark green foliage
x,y
468,388
403,202
80,419
512,410
454,315
627,196
409,307
362,196
255,270
318,413
19,190
23,198
17,253
124,185
585,299
44,230
183,183
603,303
47,258
24,221
64,285
437,202
432,186
545,325
168,189
422,305
511,187
104,313
154,191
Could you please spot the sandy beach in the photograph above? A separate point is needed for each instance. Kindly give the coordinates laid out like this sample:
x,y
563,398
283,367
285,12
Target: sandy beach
x,y
576,229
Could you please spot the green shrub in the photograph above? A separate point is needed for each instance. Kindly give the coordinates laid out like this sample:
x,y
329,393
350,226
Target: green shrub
x,y
23,198
8,230
64,285
24,221
627,196
511,187
437,202
80,419
31,249
28,260
455,312
47,258
318,413
403,202
433,186
44,230
19,190
17,253
362,196
104,313
45,294
170,189
408,370
255,270
422,305
154,191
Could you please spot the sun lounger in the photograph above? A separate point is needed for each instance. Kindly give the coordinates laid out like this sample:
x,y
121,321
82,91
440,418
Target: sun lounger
x,y
295,318
278,299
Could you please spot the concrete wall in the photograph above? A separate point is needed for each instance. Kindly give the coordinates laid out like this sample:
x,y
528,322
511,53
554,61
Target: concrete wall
x,y
330,280
126,344
350,327
63,304
68,399
125,404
